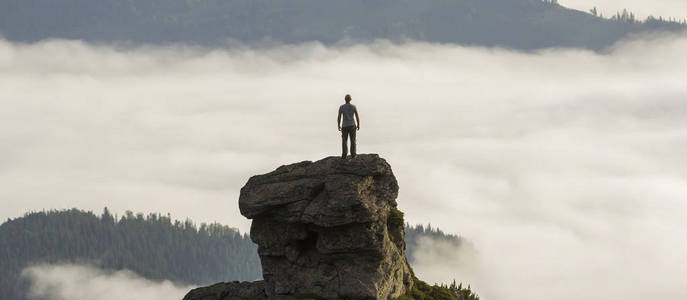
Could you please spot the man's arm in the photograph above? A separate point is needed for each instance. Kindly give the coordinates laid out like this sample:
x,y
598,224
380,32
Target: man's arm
x,y
338,121
357,118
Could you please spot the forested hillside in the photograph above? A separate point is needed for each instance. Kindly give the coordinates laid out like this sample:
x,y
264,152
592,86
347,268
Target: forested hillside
x,y
154,246
521,24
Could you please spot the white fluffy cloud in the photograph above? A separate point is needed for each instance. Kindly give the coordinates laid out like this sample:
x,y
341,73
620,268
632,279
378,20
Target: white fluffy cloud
x,y
81,282
565,167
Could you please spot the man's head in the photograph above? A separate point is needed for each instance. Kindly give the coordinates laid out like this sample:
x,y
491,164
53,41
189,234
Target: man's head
x,y
348,98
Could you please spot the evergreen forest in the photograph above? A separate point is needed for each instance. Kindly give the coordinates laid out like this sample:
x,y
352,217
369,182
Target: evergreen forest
x,y
516,24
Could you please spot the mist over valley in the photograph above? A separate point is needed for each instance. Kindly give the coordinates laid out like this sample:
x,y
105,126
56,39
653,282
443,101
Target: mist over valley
x,y
558,153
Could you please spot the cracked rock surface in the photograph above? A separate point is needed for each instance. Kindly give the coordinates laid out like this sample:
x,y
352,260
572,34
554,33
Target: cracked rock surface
x,y
323,231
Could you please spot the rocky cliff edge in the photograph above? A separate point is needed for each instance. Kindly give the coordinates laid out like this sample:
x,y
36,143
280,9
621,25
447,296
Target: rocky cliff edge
x,y
325,230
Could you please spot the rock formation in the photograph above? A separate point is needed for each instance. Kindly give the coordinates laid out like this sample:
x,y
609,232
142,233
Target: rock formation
x,y
325,230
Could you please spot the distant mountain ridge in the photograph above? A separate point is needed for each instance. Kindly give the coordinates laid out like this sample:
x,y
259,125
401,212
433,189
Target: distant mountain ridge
x,y
153,246
519,24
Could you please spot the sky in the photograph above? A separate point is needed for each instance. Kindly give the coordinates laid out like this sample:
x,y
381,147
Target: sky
x,y
642,8
565,168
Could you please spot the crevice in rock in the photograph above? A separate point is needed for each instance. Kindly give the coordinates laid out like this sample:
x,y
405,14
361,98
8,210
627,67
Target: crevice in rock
x,y
310,241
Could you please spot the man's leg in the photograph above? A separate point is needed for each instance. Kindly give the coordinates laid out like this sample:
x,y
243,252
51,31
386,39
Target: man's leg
x,y
344,142
353,130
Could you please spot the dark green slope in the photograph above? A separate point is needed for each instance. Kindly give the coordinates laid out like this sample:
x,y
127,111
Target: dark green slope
x,y
153,246
520,24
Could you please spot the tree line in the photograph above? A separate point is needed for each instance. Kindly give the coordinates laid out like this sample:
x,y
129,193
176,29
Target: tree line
x,y
154,246
519,24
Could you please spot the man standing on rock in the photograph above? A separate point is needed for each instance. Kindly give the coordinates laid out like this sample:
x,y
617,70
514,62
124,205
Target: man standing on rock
x,y
348,127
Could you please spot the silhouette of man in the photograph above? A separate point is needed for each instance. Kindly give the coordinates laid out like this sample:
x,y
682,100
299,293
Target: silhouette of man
x,y
348,127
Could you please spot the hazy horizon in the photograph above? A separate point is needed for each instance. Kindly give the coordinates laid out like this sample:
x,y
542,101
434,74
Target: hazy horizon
x,y
565,167
642,9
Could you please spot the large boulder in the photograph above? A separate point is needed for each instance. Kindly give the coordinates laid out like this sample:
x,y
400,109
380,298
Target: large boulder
x,y
326,230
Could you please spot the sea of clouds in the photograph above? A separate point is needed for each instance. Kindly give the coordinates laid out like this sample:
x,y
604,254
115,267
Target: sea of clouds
x,y
565,168
83,282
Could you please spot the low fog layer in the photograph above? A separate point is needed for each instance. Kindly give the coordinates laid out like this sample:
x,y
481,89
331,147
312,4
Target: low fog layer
x,y
642,8
80,282
565,168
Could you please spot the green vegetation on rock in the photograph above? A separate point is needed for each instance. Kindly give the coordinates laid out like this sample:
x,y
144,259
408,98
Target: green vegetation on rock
x,y
395,218
423,291
395,221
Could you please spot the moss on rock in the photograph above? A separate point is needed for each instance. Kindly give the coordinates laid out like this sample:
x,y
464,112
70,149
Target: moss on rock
x,y
423,291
